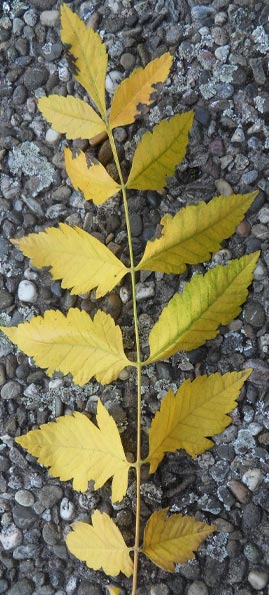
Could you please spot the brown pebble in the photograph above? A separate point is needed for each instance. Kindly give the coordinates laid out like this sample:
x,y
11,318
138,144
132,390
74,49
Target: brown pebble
x,y
113,305
243,229
105,154
240,491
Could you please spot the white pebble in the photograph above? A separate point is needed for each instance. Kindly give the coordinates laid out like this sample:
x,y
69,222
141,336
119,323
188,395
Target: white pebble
x,y
67,509
52,136
223,187
113,78
49,18
10,537
260,272
258,579
124,295
27,292
145,290
252,478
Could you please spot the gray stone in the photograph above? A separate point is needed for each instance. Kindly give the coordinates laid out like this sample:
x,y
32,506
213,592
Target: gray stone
x,y
127,61
10,537
254,314
11,390
240,491
197,588
26,158
24,498
86,588
51,534
237,569
35,77
20,95
258,579
50,495
23,517
6,299
251,516
24,586
23,552
30,17
50,18
51,51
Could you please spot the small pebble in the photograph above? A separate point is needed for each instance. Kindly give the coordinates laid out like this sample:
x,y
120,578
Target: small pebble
x,y
24,498
197,588
240,491
145,290
11,390
258,579
223,187
50,18
52,136
252,479
27,292
113,78
10,537
67,509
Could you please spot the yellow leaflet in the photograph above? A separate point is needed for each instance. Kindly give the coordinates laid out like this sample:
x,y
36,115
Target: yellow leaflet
x,y
194,232
138,89
93,181
71,116
196,411
193,317
174,539
74,448
73,344
100,545
159,152
76,257
114,590
88,56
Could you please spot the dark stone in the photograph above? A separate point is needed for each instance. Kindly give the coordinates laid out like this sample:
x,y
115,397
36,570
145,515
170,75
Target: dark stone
x,y
23,517
251,516
20,95
50,495
254,314
35,77
6,299
202,116
22,587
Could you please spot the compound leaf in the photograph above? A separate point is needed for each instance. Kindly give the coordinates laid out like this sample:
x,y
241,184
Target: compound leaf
x,y
71,116
194,232
174,539
138,89
87,54
76,257
73,344
73,447
92,180
100,545
196,411
193,317
159,152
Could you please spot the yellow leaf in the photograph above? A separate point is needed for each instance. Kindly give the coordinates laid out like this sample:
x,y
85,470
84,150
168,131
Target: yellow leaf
x,y
71,116
73,447
159,152
174,539
138,89
76,257
193,317
114,590
93,181
196,411
88,56
100,545
73,344
194,232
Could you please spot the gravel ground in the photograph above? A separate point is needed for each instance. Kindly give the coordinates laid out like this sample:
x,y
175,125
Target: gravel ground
x,y
220,70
